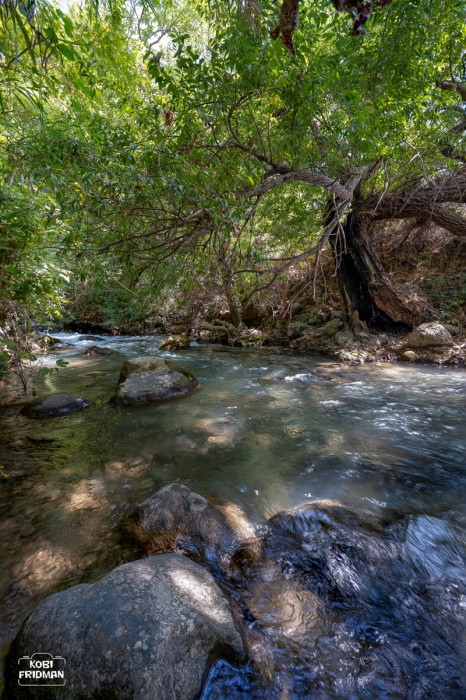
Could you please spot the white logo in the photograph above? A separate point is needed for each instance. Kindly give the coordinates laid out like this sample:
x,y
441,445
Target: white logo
x,y
41,669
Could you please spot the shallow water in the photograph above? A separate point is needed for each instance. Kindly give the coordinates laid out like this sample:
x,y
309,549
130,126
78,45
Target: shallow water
x,y
268,431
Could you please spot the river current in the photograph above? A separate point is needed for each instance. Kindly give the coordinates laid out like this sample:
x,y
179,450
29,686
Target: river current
x,y
267,431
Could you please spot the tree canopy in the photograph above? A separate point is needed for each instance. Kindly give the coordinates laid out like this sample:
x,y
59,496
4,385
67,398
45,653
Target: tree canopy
x,y
152,146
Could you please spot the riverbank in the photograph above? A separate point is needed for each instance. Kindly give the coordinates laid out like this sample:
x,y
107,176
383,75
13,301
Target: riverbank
x,y
326,334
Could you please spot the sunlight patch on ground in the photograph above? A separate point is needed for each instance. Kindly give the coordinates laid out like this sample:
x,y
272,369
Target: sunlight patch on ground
x,y
89,494
46,565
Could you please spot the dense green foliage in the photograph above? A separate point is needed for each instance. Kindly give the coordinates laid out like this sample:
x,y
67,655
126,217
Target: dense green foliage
x,y
143,144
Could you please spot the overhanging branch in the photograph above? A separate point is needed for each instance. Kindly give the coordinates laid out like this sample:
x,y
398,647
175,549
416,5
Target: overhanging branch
x,y
426,201
310,178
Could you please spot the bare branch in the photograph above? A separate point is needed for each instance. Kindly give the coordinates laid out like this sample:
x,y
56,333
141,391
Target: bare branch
x,y
311,178
426,200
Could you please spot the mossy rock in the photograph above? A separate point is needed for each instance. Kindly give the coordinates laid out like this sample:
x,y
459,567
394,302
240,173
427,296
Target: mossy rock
x,y
174,342
344,338
295,329
317,317
296,308
332,327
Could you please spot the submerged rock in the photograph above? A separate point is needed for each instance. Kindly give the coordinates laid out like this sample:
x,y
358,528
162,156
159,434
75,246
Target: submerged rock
x,y
429,334
62,346
174,342
176,515
152,628
96,350
55,405
41,440
326,513
147,379
283,606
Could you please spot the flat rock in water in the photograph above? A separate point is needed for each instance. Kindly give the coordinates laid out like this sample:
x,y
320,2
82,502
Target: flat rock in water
x,y
41,440
429,334
151,629
96,350
56,405
147,379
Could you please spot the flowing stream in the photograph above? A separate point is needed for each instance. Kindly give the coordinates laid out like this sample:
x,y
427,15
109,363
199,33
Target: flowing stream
x,y
267,431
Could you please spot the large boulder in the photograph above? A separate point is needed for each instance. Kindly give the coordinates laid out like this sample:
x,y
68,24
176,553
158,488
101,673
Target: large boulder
x,y
177,515
147,379
149,629
55,405
429,334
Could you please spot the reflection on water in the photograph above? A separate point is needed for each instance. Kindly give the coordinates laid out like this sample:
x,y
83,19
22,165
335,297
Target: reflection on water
x,y
267,431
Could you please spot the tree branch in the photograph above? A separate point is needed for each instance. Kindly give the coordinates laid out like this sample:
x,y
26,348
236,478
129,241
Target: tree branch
x,y
426,200
311,178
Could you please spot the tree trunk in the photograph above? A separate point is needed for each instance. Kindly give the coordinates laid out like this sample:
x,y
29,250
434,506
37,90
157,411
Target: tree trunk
x,y
234,308
234,304
367,293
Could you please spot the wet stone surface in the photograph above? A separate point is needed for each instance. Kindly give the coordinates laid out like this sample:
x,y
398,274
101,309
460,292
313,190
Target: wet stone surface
x,y
175,515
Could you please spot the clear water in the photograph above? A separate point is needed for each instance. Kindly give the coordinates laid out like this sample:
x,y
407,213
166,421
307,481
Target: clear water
x,y
268,431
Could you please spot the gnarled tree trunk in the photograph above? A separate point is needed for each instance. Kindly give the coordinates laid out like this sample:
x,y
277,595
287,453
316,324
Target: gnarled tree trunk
x,y
368,294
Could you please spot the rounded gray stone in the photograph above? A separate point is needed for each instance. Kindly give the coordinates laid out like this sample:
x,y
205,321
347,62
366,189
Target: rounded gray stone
x,y
152,628
429,334
148,379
